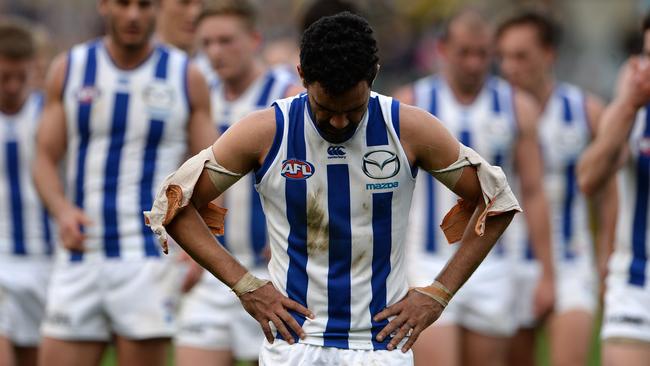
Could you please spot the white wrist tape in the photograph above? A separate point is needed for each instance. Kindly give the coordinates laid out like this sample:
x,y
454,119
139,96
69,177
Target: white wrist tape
x,y
497,194
437,291
248,283
176,192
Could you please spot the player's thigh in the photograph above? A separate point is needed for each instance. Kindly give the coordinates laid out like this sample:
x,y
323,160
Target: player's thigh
x,y
150,352
616,353
521,351
570,336
191,356
6,352
438,345
485,350
70,353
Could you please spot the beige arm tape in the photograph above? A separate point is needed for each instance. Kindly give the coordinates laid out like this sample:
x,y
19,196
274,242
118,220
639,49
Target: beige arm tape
x,y
248,283
497,195
437,291
176,192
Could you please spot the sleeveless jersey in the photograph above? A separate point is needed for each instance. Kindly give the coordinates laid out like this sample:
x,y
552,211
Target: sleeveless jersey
x,y
630,258
337,217
564,133
25,229
127,130
245,233
488,126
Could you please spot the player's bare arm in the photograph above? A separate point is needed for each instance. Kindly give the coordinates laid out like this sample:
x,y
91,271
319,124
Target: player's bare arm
x,y
529,164
51,146
200,128
241,149
607,152
431,147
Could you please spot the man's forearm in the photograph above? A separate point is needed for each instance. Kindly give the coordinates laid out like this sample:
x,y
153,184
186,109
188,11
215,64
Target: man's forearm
x,y
48,184
539,227
473,249
189,230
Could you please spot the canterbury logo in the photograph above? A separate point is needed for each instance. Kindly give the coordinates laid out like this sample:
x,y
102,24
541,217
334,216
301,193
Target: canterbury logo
x,y
336,151
380,164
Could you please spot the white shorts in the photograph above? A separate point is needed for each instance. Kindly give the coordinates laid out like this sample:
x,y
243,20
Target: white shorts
x,y
93,299
299,354
212,318
627,311
484,304
23,289
576,288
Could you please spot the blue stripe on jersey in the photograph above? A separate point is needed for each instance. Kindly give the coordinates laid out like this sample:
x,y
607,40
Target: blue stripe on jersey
x,y
111,176
431,245
275,147
161,66
339,285
156,128
381,248
639,225
394,115
47,232
83,125
570,188
496,102
257,226
376,133
296,197
433,104
465,137
17,219
263,100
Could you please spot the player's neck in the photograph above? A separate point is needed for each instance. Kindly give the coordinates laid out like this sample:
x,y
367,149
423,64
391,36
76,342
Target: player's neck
x,y
10,108
127,58
463,95
236,87
542,93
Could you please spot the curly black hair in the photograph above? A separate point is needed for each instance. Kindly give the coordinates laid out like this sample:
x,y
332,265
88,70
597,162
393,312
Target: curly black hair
x,y
338,52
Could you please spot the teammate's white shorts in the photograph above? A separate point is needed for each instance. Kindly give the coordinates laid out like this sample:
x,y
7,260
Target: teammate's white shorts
x,y
23,289
485,303
627,311
576,288
212,318
281,353
91,299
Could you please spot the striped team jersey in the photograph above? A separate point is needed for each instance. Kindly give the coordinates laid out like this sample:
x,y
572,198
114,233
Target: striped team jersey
x,y
488,126
25,228
245,233
337,216
127,130
564,133
630,258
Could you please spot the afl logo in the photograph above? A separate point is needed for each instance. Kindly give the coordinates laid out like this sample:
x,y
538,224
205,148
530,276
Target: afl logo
x,y
87,94
297,169
380,164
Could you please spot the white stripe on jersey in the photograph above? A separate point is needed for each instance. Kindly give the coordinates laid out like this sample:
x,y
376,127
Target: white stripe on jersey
x,y
245,233
488,126
126,132
25,228
337,217
629,262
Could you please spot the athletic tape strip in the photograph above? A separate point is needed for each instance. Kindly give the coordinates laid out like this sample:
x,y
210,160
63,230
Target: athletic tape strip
x,y
248,283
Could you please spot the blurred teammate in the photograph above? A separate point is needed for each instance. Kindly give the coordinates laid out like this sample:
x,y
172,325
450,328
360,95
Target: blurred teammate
x,y
25,232
213,327
123,112
623,143
527,45
487,114
335,171
176,23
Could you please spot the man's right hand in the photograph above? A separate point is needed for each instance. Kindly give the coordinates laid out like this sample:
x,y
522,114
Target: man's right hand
x,y
634,82
70,220
267,304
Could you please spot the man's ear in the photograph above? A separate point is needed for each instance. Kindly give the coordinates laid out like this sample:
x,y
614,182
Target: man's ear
x,y
302,76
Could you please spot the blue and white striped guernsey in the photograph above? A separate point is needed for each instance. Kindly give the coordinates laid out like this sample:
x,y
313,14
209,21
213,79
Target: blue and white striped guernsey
x,y
245,233
564,133
337,217
127,130
488,126
630,258
25,229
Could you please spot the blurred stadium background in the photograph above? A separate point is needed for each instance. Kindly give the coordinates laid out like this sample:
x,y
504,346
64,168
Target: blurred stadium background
x,y
597,36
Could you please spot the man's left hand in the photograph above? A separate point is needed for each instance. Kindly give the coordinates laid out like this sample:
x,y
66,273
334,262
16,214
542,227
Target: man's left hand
x,y
415,312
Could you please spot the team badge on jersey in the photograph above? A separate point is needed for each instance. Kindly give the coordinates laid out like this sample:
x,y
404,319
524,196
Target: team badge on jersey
x,y
297,169
380,164
159,98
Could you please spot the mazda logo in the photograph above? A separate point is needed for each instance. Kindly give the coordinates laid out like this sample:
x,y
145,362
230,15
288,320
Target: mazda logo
x,y
380,164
